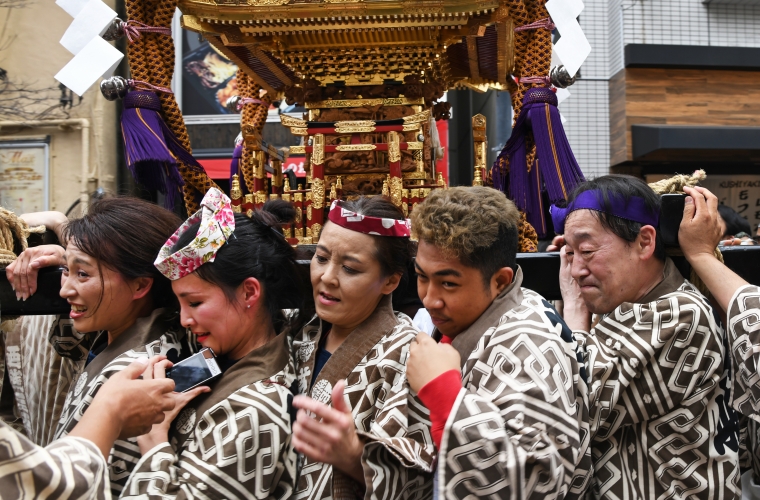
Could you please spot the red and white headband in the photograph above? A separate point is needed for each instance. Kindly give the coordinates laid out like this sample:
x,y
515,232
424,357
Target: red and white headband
x,y
366,224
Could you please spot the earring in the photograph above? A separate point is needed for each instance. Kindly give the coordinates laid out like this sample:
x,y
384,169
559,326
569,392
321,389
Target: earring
x,y
248,306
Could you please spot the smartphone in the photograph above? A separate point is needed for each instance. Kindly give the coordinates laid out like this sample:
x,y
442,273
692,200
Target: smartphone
x,y
671,213
194,371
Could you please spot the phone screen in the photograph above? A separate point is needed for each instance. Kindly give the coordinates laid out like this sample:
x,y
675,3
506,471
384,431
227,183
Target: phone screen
x,y
192,371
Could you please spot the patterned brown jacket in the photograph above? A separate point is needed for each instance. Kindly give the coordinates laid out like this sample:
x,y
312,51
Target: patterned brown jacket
x,y
150,336
398,456
659,391
231,443
70,468
519,427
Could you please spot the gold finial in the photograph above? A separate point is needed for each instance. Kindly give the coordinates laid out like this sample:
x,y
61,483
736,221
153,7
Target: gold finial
x,y
236,194
286,185
478,180
339,183
386,191
333,191
441,182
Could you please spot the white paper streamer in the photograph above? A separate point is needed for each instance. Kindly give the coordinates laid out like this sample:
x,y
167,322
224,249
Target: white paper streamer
x,y
573,47
96,60
72,7
92,21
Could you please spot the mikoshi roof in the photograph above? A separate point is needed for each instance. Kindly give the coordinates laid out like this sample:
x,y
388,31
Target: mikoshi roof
x,y
280,43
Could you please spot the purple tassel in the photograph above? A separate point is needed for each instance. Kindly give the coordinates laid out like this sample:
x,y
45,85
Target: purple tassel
x,y
152,150
555,168
237,156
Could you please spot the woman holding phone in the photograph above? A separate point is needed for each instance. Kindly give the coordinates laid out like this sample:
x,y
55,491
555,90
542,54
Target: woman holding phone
x,y
122,308
233,276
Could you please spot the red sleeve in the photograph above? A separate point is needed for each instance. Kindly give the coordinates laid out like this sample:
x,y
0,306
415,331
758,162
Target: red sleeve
x,y
439,396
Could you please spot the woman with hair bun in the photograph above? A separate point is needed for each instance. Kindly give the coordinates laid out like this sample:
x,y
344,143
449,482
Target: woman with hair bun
x,y
361,431
233,276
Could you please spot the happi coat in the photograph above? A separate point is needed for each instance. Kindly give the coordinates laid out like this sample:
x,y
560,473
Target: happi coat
x,y
231,443
744,338
38,377
70,468
399,450
157,334
659,390
518,428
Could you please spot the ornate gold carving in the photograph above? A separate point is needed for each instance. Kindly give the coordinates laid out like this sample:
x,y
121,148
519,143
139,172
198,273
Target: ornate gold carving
x,y
356,147
298,197
318,193
396,188
308,212
477,179
333,192
359,103
354,130
286,185
414,176
235,192
261,198
302,131
414,193
440,181
262,3
287,232
479,122
297,150
411,127
386,189
417,117
414,145
355,123
394,151
318,151
289,121
316,230
343,1
308,240
299,214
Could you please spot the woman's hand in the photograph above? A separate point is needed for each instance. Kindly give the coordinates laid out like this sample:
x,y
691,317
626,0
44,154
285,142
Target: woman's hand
x,y
22,272
159,433
330,436
428,360
53,221
125,407
574,310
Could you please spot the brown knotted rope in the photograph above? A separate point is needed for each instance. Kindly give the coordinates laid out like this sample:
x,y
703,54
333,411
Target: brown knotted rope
x,y
675,185
12,226
151,59
253,117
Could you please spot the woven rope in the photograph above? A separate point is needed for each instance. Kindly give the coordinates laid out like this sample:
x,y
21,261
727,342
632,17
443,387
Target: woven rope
x,y
12,226
151,59
253,116
675,185
245,89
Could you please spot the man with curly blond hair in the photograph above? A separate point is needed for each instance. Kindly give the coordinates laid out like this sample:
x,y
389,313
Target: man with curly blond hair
x,y
507,403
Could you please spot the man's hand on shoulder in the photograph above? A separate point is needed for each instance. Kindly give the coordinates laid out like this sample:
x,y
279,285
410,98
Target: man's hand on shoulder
x,y
428,360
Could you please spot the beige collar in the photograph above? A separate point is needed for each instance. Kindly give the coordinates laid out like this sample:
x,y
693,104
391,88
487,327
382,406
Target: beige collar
x,y
508,299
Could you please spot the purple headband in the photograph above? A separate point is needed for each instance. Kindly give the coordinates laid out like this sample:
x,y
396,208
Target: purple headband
x,y
635,209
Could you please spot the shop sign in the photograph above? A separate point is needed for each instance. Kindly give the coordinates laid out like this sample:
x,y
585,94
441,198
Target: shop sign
x,y
24,176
